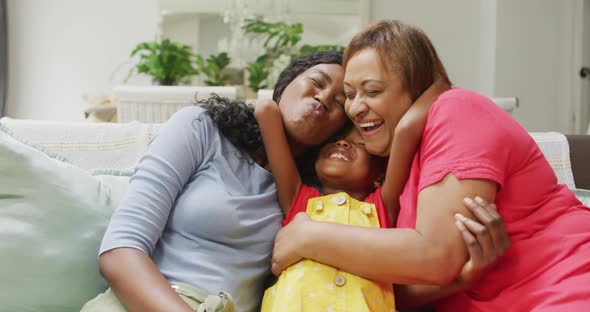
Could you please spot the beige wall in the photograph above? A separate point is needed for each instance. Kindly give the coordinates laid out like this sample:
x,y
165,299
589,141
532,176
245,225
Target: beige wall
x,y
529,56
503,48
61,49
459,29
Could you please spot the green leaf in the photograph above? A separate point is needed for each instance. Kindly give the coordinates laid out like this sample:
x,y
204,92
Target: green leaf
x,y
284,35
257,75
164,60
213,68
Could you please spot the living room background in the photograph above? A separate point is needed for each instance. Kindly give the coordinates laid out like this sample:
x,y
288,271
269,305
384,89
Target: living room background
x,y
62,49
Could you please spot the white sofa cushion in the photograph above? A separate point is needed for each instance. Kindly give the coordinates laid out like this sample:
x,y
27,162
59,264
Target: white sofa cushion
x,y
583,196
120,146
555,147
89,146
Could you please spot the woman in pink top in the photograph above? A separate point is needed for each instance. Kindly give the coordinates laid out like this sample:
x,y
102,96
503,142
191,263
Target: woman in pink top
x,y
469,147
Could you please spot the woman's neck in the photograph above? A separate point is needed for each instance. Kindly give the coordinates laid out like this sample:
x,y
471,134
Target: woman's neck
x,y
296,148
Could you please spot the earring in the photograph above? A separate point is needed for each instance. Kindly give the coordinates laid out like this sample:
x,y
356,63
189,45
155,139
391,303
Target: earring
x,y
379,182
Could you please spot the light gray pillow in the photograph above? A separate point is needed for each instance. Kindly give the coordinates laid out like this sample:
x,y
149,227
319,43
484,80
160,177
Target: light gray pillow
x,y
583,196
52,219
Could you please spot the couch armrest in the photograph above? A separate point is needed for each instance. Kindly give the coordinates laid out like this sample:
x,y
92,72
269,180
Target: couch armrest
x,y
580,159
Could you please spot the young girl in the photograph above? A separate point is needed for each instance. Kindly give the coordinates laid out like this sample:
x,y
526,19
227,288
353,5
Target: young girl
x,y
349,194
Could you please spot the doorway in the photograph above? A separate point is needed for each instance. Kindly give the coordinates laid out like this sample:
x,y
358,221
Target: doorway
x,y
581,84
585,70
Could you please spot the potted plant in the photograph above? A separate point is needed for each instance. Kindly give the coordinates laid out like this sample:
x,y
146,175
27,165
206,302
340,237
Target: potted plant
x,y
281,47
280,39
167,62
214,69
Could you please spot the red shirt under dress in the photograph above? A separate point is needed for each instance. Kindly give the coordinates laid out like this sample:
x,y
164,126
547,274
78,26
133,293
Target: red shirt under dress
x,y
307,192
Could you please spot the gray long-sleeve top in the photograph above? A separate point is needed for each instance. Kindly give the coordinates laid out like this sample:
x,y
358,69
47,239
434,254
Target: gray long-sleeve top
x,y
203,210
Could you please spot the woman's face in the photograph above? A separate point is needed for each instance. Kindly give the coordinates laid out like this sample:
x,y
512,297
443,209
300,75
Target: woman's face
x,y
375,99
312,105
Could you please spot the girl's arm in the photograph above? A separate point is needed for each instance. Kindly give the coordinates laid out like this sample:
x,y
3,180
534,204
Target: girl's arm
x,y
406,139
280,159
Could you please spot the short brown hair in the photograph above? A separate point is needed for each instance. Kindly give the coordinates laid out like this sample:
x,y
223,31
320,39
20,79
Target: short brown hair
x,y
405,49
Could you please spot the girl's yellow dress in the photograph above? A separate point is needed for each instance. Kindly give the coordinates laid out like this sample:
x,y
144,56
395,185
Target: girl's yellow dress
x,y
312,286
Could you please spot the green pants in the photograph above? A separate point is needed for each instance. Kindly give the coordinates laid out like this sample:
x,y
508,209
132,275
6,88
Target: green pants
x,y
197,299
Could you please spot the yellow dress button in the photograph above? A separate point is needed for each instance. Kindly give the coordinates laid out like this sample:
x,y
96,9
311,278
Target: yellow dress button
x,y
339,280
319,207
339,200
366,209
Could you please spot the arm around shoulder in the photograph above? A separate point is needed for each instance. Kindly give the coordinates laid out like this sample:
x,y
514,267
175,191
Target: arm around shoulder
x,y
406,139
280,158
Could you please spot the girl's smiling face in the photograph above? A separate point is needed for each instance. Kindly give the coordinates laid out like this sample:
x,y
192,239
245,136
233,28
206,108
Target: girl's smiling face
x,y
345,164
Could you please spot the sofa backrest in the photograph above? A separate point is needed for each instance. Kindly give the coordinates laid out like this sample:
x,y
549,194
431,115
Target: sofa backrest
x,y
579,146
111,146
91,146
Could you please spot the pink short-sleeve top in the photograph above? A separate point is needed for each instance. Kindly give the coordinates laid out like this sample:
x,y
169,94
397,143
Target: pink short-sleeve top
x,y
548,265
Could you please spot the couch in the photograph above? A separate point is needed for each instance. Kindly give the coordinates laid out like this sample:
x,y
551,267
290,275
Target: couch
x,y
59,183
579,146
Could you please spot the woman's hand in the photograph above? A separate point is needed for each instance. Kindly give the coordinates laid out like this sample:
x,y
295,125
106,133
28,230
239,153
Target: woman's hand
x,y
289,242
486,241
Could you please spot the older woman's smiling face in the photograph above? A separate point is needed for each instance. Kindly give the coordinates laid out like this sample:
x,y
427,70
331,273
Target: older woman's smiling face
x,y
376,99
312,105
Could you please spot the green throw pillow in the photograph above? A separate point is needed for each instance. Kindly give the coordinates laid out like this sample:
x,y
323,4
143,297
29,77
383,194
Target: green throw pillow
x,y
52,219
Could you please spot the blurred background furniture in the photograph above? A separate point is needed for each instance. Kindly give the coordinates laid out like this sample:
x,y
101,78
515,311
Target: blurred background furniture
x,y
579,146
264,94
119,146
509,104
155,104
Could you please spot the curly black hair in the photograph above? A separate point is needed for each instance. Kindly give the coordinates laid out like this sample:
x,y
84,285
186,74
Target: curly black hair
x,y
236,120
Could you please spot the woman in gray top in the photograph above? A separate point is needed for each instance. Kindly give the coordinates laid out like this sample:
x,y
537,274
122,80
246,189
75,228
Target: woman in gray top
x,y
201,208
